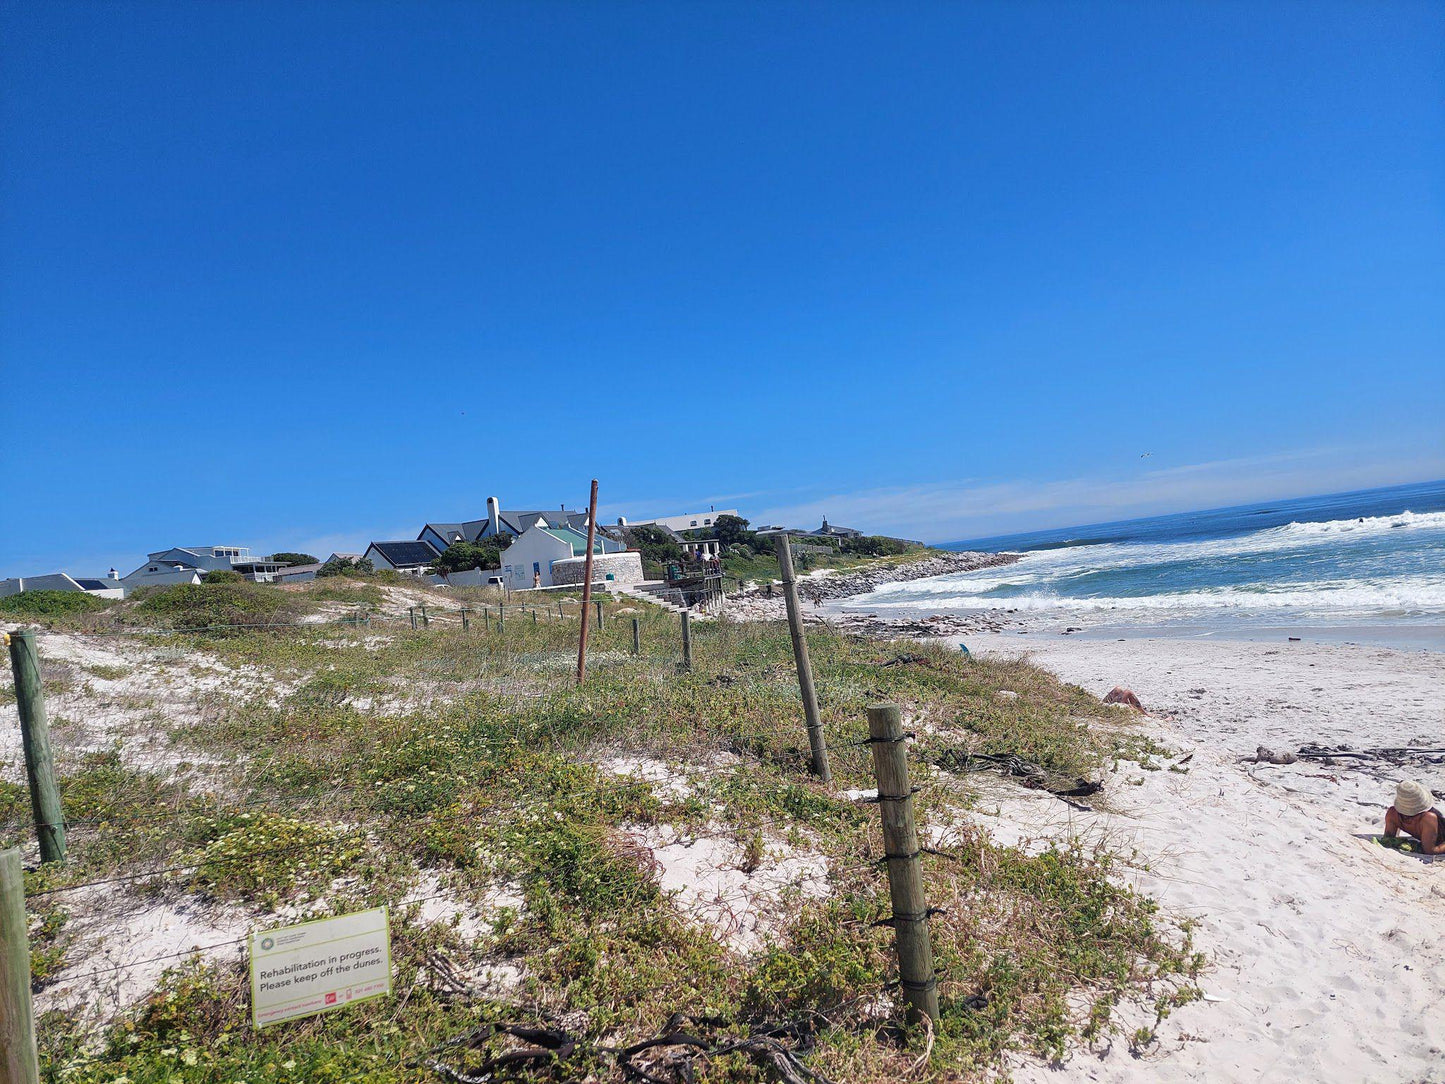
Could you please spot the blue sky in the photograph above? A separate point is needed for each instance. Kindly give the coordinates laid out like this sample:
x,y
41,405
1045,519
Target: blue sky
x,y
299,275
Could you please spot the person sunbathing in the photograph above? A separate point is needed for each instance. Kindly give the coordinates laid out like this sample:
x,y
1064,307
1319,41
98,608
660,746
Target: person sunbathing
x,y
1412,814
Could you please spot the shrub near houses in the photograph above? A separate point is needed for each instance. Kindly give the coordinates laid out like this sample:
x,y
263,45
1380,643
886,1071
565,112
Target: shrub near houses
x,y
51,603
205,605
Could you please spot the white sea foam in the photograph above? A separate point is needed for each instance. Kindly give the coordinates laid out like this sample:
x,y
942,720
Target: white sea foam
x,y
1384,567
1407,597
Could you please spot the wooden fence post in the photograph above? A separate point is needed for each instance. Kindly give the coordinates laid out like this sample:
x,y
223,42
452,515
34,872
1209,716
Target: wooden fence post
x,y
600,617
466,624
905,871
18,1063
35,740
559,609
686,640
809,694
487,617
637,636
534,615
411,611
501,617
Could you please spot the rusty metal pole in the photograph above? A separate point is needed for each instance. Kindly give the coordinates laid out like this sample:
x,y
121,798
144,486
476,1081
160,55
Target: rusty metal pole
x,y
587,585
805,666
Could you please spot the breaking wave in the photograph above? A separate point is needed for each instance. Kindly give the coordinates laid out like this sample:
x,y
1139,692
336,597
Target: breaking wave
x,y
1372,568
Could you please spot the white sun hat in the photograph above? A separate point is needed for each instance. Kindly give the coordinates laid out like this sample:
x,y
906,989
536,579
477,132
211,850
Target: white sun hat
x,y
1412,798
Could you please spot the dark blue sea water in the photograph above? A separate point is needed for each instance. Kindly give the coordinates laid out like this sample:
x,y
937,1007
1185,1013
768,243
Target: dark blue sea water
x,y
1371,557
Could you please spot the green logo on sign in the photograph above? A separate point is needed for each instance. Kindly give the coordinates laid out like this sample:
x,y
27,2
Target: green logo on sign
x,y
267,943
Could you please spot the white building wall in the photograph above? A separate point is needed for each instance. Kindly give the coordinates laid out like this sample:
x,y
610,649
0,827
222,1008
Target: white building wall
x,y
617,569
533,547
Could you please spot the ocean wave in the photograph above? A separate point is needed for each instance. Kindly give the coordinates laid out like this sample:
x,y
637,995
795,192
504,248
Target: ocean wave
x,y
1375,566
1040,567
1412,596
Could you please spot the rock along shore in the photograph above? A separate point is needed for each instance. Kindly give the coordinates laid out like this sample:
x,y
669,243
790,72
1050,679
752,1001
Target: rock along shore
x,y
761,604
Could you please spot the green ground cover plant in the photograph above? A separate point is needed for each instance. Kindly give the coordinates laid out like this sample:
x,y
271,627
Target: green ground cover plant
x,y
376,755
52,603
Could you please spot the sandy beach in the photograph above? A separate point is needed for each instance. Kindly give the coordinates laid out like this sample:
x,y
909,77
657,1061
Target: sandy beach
x,y
1326,950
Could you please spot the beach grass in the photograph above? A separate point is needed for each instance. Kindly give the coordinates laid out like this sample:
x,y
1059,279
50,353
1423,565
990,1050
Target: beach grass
x,y
368,759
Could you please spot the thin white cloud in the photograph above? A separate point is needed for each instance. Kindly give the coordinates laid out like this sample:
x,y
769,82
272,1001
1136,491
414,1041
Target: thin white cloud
x,y
944,511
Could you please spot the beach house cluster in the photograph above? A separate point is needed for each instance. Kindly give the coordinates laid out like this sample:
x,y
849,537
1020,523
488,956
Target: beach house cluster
x,y
544,548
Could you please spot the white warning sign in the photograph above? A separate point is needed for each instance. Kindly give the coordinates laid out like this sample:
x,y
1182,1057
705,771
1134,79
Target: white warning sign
x,y
319,966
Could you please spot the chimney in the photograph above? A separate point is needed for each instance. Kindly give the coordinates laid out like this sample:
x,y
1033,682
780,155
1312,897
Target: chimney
x,y
494,516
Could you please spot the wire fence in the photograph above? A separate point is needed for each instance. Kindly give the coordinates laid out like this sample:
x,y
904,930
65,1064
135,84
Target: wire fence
x,y
678,1046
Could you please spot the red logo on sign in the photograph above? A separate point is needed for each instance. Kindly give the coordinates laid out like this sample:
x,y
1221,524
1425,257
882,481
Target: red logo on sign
x,y
331,999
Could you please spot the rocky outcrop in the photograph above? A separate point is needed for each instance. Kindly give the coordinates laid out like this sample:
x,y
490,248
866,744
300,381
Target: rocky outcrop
x,y
765,604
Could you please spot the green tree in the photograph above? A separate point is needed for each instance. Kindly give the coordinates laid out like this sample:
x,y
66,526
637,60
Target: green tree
x,y
362,567
876,545
656,545
222,575
732,530
295,559
462,556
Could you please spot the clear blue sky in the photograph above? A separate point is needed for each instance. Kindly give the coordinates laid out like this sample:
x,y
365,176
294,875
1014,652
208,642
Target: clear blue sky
x,y
296,275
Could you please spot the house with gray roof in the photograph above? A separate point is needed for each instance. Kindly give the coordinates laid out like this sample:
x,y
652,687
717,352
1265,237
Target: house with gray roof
x,y
409,558
498,522
100,586
187,564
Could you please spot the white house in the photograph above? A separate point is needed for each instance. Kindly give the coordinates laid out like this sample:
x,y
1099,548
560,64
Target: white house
x,y
444,535
411,558
692,521
101,587
529,560
186,564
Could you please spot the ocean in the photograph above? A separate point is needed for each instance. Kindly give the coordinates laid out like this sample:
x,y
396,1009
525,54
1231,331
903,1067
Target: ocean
x,y
1359,561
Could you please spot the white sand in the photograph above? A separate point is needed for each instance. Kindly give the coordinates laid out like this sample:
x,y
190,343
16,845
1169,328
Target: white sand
x,y
118,936
704,875
1327,951
119,692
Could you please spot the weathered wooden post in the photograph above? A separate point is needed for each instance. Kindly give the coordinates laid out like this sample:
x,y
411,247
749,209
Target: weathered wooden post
x,y
905,871
35,740
425,620
686,640
411,612
534,615
587,585
805,667
501,617
637,636
466,624
487,617
18,1063
559,609
601,618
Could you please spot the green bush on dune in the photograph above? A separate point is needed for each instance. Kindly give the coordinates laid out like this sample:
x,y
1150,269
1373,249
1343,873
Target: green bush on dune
x,y
50,603
194,606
